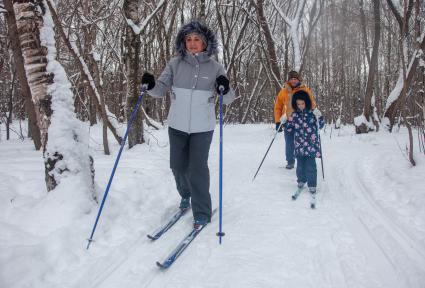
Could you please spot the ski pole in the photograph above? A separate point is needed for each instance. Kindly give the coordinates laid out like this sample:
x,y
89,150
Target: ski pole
x,y
220,233
320,147
275,134
133,115
320,141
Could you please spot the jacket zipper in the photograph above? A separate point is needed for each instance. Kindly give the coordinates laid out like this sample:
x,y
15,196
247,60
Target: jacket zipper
x,y
191,92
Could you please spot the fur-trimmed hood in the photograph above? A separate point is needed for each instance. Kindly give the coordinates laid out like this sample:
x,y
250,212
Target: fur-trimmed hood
x,y
204,31
302,95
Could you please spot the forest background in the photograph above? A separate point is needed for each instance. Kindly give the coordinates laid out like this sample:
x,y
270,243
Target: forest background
x,y
364,61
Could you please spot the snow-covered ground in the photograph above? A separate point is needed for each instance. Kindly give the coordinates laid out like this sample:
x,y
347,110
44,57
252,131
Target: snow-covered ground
x,y
368,229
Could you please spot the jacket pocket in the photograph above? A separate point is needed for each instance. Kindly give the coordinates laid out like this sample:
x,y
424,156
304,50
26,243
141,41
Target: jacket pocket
x,y
179,114
202,111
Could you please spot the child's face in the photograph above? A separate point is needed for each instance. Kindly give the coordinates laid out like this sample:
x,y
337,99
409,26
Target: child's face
x,y
300,104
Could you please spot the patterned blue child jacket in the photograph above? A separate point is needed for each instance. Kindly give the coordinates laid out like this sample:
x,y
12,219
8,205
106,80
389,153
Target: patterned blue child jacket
x,y
305,127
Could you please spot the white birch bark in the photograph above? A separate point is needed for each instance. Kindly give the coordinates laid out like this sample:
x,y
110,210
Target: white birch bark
x,y
65,152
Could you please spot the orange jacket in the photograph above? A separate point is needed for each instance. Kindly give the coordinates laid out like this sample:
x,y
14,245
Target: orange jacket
x,y
284,99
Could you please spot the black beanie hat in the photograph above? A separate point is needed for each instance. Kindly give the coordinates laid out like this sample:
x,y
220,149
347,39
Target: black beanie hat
x,y
301,95
294,74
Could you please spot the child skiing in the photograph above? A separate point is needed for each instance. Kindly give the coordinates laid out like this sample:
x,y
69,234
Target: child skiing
x,y
304,122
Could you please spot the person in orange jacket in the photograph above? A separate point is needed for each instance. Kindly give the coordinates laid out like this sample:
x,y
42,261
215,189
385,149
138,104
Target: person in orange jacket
x,y
283,109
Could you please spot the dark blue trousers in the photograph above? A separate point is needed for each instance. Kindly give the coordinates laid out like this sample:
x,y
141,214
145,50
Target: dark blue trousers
x,y
307,171
189,163
289,146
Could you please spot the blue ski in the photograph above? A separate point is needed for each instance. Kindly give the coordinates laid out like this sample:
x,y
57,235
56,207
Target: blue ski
x,y
164,228
171,258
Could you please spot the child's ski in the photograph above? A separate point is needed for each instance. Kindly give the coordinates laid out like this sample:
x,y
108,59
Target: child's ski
x,y
297,193
313,201
171,258
165,227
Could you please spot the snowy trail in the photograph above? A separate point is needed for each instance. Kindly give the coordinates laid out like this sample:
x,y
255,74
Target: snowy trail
x,y
367,231
349,254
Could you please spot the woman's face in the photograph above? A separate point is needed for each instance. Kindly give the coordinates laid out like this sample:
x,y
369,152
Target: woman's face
x,y
194,43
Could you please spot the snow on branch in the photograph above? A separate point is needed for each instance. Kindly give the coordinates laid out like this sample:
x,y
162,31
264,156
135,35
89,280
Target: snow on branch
x,y
137,29
396,6
293,28
421,38
395,93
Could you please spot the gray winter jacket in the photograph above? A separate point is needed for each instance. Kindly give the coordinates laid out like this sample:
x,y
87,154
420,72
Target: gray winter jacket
x,y
192,80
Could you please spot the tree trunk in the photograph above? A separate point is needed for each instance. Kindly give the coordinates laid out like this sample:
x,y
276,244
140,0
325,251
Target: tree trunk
x,y
34,131
271,50
410,152
202,13
29,21
10,106
368,107
405,77
89,37
132,44
364,31
315,14
396,105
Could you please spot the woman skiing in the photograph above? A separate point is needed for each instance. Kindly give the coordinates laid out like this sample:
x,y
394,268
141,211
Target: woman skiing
x,y
193,77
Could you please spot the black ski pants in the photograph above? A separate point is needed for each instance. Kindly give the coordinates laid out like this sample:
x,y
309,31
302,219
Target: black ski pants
x,y
189,163
306,170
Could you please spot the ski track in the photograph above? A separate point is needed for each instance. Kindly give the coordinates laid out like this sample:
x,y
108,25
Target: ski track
x,y
402,235
394,241
393,244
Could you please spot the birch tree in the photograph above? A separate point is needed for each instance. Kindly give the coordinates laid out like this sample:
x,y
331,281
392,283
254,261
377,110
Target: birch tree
x,y
20,71
64,149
